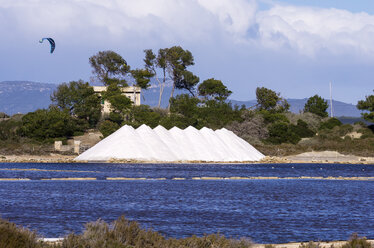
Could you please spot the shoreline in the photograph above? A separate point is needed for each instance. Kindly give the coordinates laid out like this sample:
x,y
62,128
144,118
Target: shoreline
x,y
321,244
325,157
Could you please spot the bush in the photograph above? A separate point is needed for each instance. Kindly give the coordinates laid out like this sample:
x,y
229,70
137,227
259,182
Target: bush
x,y
177,120
330,123
3,115
272,117
46,124
125,233
252,128
13,236
281,132
366,132
216,114
301,129
309,245
9,129
313,120
357,242
143,114
116,118
185,105
345,129
108,127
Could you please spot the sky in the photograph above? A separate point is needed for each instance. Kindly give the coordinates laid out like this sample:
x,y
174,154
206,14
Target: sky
x,y
291,46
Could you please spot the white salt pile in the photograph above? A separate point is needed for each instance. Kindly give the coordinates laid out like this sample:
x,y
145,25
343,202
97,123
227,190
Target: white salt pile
x,y
174,145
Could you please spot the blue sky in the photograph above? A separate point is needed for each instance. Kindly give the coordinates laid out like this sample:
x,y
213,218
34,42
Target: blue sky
x,y
351,5
293,47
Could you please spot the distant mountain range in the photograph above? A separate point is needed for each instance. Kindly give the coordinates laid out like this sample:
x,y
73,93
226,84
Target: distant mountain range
x,y
297,105
24,97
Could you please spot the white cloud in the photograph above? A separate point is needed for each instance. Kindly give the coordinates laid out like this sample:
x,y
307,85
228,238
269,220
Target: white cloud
x,y
307,30
311,30
171,20
236,17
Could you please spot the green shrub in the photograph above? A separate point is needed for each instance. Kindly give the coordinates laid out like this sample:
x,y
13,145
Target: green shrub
x,y
108,127
301,129
49,123
272,117
177,120
116,118
9,129
185,105
366,133
215,114
281,132
330,123
143,114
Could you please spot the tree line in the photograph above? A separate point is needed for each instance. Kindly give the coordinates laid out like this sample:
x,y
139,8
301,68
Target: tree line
x,y
76,107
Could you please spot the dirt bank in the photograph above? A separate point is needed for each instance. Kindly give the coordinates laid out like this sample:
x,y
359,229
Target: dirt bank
x,y
329,157
51,158
321,244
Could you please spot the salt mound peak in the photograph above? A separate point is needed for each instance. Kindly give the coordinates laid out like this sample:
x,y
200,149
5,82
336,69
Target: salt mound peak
x,y
174,145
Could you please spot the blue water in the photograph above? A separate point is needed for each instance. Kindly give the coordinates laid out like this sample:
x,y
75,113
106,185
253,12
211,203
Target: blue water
x,y
267,211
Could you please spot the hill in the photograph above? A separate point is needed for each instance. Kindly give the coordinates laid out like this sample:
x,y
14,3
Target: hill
x,y
23,96
297,105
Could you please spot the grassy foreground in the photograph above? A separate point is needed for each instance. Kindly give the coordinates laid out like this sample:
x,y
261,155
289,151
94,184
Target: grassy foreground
x,y
123,233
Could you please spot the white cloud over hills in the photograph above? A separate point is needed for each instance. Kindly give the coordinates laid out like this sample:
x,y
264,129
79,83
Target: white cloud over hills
x,y
304,29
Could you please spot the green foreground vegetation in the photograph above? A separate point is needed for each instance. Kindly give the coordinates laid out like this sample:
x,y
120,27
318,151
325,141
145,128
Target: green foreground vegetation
x,y
268,125
123,233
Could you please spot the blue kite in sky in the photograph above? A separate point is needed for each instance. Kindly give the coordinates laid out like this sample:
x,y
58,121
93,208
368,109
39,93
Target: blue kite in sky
x,y
51,41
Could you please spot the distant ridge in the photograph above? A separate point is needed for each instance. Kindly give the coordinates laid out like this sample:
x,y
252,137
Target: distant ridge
x,y
297,105
25,96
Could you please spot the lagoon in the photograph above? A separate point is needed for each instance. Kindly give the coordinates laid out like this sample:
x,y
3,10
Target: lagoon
x,y
264,209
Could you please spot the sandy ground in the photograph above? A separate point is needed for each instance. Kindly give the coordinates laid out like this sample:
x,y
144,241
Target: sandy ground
x,y
321,244
288,245
51,158
329,157
308,157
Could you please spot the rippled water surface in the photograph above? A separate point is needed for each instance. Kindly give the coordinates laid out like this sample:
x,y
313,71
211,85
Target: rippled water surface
x,y
268,211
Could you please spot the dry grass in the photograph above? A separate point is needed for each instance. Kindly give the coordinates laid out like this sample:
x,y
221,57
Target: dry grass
x,y
123,233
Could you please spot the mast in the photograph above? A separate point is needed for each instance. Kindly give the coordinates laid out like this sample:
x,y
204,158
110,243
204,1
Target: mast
x,y
331,109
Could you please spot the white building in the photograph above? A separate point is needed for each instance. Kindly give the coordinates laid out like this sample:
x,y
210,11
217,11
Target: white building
x,y
131,92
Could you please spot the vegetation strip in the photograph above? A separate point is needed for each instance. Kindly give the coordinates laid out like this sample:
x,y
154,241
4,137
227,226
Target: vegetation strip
x,y
125,233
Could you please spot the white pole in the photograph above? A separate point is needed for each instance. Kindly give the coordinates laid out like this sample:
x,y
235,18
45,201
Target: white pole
x,y
331,109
